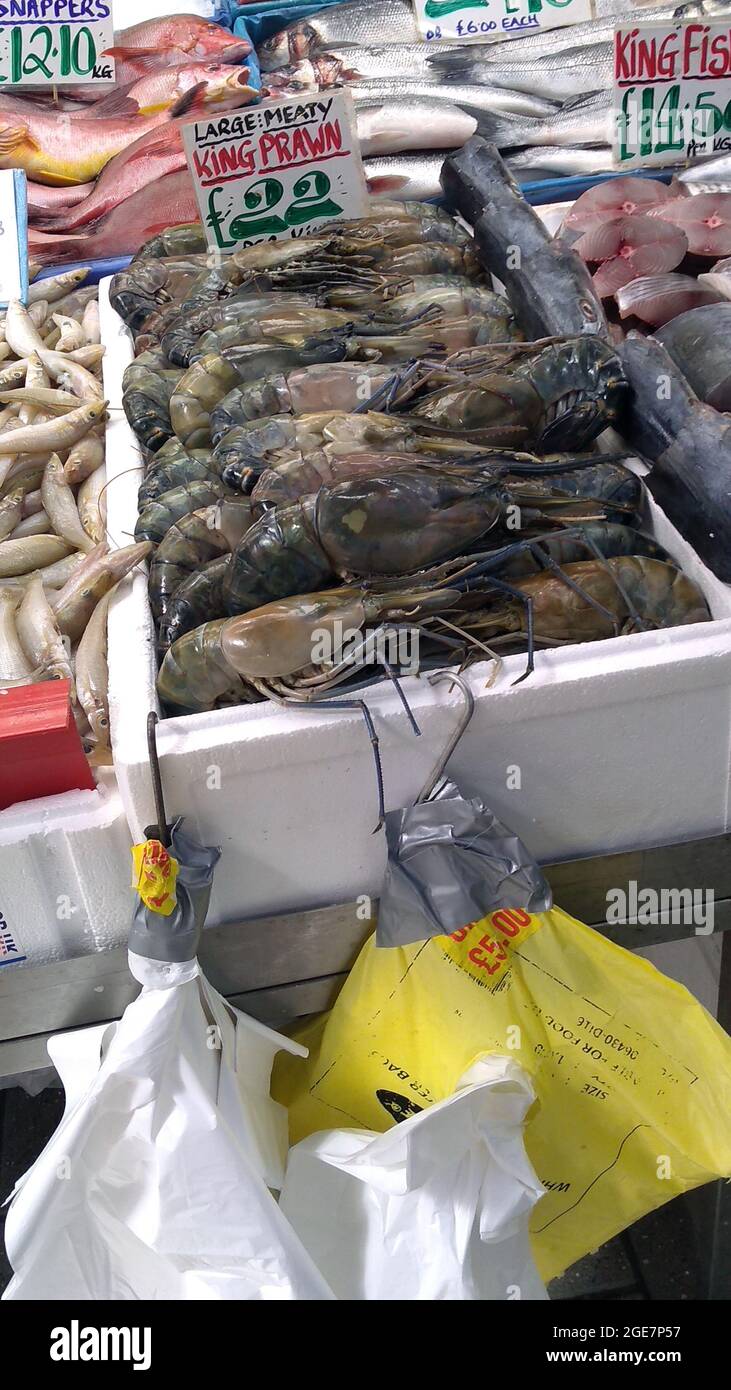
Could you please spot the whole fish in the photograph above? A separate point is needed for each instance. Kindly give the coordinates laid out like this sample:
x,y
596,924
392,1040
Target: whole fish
x,y
39,635
536,163
60,433
350,63
35,552
698,343
219,87
92,675
469,97
155,154
127,227
362,22
57,149
388,127
166,42
549,288
405,175
567,74
55,287
15,668
100,571
588,121
198,37
689,445
44,201
706,176
60,505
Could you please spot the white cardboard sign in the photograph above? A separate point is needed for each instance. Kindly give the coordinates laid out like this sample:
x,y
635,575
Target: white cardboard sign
x,y
485,20
55,43
672,92
276,170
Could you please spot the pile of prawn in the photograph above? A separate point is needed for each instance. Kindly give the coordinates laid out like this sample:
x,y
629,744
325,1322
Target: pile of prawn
x,y
339,432
56,570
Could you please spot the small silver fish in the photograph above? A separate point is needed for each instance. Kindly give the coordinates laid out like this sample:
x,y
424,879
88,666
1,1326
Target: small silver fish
x,y
389,127
470,97
565,75
404,176
356,21
541,160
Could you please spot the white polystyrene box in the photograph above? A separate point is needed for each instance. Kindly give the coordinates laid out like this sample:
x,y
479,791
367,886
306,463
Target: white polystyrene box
x,y
614,745
65,875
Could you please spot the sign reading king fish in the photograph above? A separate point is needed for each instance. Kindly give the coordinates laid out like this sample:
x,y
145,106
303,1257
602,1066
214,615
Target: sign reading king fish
x,y
276,170
55,43
672,92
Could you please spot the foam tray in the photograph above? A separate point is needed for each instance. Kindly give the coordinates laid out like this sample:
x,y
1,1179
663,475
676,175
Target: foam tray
x,y
617,744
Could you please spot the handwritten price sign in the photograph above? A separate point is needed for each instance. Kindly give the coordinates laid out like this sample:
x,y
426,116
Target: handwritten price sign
x,y
276,170
55,42
672,92
485,20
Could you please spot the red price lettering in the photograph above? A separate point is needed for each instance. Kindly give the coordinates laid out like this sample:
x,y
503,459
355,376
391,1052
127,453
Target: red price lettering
x,y
487,944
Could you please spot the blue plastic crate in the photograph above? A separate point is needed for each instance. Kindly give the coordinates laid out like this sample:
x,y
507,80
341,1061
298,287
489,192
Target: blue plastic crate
x,y
259,21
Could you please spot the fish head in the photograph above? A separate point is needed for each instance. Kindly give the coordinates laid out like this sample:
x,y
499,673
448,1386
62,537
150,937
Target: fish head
x,y
289,46
220,83
95,411
202,39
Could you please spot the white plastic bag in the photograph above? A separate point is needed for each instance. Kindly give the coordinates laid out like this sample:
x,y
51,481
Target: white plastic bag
x,y
436,1208
155,1184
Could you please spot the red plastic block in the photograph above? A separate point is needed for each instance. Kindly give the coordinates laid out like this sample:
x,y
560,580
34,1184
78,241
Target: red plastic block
x,y
40,750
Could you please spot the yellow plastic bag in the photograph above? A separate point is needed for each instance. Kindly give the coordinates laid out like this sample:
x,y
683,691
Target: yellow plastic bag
x,y
633,1076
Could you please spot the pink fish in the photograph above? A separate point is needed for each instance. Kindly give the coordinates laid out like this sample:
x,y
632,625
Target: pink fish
x,y
625,248
164,203
155,154
44,201
165,43
616,198
705,219
200,38
219,85
655,299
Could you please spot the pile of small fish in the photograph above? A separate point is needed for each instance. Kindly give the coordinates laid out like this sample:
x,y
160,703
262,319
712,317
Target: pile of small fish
x,y
545,97
106,172
56,570
645,243
337,431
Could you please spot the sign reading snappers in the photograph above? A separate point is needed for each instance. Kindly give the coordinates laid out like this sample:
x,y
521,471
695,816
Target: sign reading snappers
x,y
672,92
55,42
276,170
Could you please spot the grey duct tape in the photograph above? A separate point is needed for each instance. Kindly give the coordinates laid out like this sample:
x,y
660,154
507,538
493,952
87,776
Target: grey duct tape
x,y
450,862
176,938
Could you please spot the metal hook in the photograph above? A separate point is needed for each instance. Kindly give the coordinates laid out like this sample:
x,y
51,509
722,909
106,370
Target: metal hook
x,y
437,772
160,831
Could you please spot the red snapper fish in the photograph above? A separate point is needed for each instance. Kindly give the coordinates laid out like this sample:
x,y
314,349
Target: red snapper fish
x,y
218,85
165,203
164,43
155,154
200,38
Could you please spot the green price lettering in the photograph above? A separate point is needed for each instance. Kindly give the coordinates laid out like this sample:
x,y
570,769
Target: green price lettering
x,y
33,55
310,201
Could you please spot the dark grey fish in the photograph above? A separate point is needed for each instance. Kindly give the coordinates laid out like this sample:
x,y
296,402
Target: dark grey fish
x,y
698,342
689,444
547,284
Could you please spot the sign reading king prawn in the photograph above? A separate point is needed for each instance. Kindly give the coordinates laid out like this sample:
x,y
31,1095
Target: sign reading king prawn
x,y
672,92
276,170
